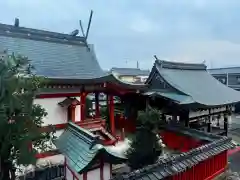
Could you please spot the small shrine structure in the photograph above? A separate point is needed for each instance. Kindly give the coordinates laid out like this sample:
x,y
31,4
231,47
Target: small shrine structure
x,y
85,155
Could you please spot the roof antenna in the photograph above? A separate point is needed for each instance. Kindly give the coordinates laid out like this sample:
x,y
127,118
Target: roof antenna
x,y
75,32
81,26
89,24
88,28
16,22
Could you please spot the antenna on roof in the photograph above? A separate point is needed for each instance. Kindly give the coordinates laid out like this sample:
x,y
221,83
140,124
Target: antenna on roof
x,y
75,32
85,35
89,24
81,26
16,22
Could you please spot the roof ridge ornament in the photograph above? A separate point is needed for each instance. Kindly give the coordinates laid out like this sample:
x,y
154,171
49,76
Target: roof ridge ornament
x,y
158,61
85,35
16,22
179,65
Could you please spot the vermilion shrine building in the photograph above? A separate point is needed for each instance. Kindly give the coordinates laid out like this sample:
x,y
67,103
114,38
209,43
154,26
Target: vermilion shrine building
x,y
185,91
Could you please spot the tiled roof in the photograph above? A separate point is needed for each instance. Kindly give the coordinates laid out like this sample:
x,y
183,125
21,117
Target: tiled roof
x,y
194,80
52,54
130,71
176,97
69,101
82,149
175,164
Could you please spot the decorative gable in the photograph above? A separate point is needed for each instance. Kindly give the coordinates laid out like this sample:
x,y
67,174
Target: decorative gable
x,y
157,82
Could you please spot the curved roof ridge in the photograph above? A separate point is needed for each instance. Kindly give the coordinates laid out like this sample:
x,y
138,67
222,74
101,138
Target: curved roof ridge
x,y
180,65
40,33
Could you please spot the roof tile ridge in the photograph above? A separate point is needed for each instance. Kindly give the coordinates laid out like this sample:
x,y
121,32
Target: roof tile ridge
x,y
181,65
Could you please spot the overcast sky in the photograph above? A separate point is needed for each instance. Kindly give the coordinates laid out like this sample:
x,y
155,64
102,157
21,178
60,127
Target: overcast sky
x,y
127,31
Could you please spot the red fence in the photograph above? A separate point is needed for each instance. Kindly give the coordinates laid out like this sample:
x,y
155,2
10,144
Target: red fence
x,y
179,142
205,170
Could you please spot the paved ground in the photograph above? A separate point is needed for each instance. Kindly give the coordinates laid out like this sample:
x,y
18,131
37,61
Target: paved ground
x,y
234,132
234,160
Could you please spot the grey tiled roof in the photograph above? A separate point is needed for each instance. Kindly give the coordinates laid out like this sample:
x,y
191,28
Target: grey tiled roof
x,y
52,54
179,163
130,71
194,80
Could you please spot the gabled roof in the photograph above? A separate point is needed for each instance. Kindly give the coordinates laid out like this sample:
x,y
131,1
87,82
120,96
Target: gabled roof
x,y
173,165
54,55
193,80
69,101
130,71
82,148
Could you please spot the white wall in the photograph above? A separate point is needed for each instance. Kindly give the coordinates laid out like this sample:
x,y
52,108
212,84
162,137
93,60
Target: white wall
x,y
106,171
56,114
69,175
94,174
78,111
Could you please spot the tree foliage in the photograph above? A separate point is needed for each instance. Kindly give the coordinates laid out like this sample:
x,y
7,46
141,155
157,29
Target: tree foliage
x,y
20,119
145,147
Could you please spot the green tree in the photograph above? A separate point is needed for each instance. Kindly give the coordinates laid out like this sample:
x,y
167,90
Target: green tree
x,y
20,119
145,147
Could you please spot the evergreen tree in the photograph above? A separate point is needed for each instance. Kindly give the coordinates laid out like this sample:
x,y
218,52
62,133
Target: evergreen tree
x,y
145,147
20,119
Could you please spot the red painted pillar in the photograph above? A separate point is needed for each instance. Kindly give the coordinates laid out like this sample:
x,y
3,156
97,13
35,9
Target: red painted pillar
x,y
111,114
97,112
83,104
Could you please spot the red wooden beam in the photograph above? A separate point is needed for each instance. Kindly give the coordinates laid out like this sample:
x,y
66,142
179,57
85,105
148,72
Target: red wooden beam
x,y
47,154
119,89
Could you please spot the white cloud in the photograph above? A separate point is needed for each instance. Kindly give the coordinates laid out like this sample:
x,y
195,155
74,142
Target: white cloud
x,y
142,24
216,53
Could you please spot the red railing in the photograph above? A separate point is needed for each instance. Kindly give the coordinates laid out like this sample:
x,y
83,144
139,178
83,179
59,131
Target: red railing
x,y
206,170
